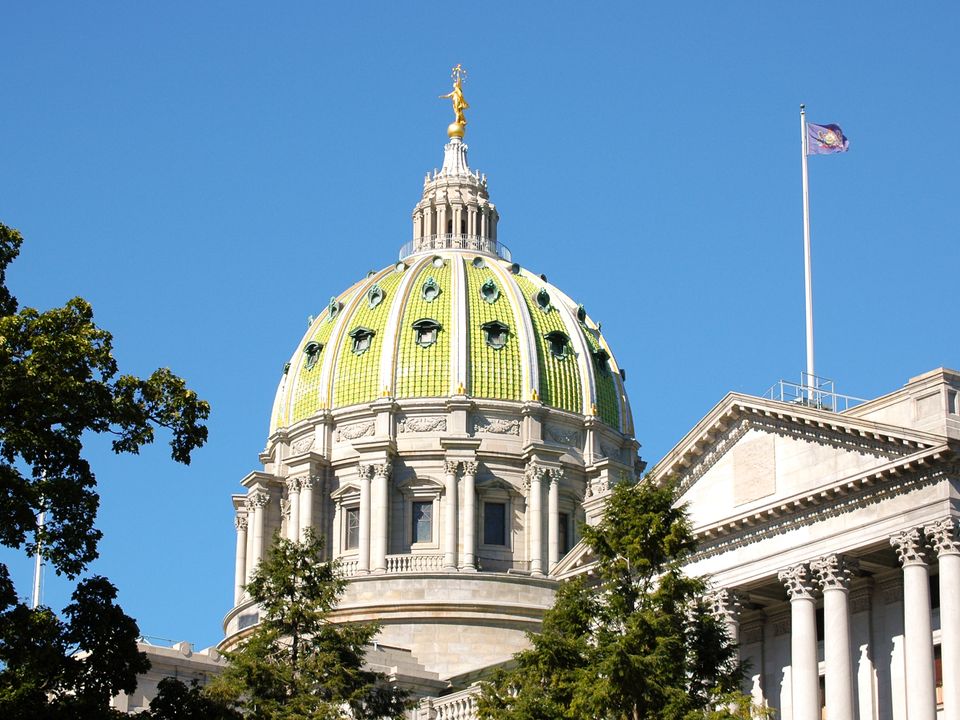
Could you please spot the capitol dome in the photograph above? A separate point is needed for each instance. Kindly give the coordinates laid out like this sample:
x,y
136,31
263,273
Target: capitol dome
x,y
447,424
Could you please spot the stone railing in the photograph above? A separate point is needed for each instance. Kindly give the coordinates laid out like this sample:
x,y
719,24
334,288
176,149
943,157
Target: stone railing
x,y
414,563
460,705
456,241
396,564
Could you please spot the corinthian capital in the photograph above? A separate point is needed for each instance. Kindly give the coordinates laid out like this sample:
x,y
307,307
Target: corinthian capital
x,y
294,484
834,572
556,474
365,471
910,547
725,603
241,522
257,499
798,581
383,471
470,467
450,467
533,472
943,536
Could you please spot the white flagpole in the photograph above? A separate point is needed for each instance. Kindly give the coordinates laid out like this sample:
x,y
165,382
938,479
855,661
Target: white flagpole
x,y
38,565
807,266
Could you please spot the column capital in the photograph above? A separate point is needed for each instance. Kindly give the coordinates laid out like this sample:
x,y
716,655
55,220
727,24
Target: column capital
x,y
309,481
910,547
470,467
241,522
834,572
799,582
726,602
383,471
942,535
365,471
294,484
257,499
450,467
556,474
533,472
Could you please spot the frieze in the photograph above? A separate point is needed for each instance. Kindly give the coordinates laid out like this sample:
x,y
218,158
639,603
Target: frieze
x,y
497,426
422,424
564,436
751,632
357,430
610,451
302,445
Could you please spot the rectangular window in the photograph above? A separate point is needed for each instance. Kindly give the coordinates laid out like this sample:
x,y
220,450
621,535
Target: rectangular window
x,y
422,522
494,523
953,402
564,533
352,534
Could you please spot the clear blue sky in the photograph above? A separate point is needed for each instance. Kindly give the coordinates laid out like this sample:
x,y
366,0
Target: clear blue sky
x,y
209,174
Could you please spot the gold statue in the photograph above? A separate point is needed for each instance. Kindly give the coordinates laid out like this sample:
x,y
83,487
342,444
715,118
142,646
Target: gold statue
x,y
457,127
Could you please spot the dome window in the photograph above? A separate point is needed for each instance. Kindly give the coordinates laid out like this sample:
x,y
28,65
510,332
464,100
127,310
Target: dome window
x,y
478,262
489,291
375,296
559,344
581,313
361,337
333,308
495,334
601,358
430,290
312,351
401,266
438,262
515,268
543,299
426,331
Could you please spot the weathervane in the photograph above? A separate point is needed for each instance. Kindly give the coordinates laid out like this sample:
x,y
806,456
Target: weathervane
x,y
458,126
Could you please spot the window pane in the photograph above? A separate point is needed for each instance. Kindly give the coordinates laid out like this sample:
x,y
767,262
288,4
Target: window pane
x,y
494,523
353,529
422,522
564,533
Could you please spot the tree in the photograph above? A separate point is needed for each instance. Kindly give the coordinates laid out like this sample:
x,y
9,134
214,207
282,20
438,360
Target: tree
x,y
296,663
58,381
175,700
636,642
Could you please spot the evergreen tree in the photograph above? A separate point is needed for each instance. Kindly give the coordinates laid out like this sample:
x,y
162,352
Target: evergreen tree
x,y
58,381
634,642
296,664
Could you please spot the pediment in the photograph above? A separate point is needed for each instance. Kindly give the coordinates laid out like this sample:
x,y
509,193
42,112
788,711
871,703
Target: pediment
x,y
413,483
751,453
347,489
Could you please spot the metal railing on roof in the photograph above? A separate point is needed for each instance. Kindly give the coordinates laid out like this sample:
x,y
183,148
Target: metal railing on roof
x,y
812,391
456,241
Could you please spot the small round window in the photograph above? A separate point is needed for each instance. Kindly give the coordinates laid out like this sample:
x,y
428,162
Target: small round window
x,y
489,291
479,262
375,296
543,299
430,290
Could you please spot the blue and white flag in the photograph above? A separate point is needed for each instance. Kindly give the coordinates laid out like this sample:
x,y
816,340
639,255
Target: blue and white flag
x,y
826,140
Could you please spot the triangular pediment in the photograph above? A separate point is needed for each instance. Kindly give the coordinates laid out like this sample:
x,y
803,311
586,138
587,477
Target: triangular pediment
x,y
750,453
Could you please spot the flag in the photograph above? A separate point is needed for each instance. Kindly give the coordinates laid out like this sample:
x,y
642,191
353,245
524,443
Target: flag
x,y
826,140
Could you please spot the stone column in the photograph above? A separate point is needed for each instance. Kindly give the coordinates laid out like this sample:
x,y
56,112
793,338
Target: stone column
x,y
306,505
240,568
834,573
293,497
379,517
534,475
725,604
943,537
450,516
257,500
469,516
917,631
804,673
248,571
863,648
553,519
363,555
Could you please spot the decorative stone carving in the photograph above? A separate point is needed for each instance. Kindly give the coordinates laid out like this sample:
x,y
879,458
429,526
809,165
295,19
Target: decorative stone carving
x,y
241,522
725,603
533,472
834,572
302,445
294,484
751,632
285,508
309,481
798,580
470,467
357,430
257,499
891,588
610,451
364,471
383,471
556,474
782,622
422,424
497,426
943,537
910,547
450,467
860,598
564,436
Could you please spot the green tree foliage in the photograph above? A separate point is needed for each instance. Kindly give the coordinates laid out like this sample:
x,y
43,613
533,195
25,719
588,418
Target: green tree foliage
x,y
59,380
296,664
176,700
636,641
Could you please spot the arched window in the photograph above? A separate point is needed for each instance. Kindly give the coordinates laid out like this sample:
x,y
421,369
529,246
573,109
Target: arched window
x,y
558,343
426,331
361,337
495,334
312,351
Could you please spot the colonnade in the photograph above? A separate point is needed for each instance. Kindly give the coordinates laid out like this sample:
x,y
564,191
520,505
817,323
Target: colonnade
x,y
831,577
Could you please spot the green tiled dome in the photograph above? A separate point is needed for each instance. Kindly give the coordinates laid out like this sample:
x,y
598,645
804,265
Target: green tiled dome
x,y
452,322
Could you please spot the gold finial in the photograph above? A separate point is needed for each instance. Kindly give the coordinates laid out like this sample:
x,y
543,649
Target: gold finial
x,y
593,408
534,395
461,390
459,125
385,392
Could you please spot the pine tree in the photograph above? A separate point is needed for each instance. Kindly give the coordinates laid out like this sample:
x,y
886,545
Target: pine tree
x,y
297,664
635,641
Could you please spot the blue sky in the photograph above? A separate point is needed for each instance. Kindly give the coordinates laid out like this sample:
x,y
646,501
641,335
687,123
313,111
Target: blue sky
x,y
208,175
